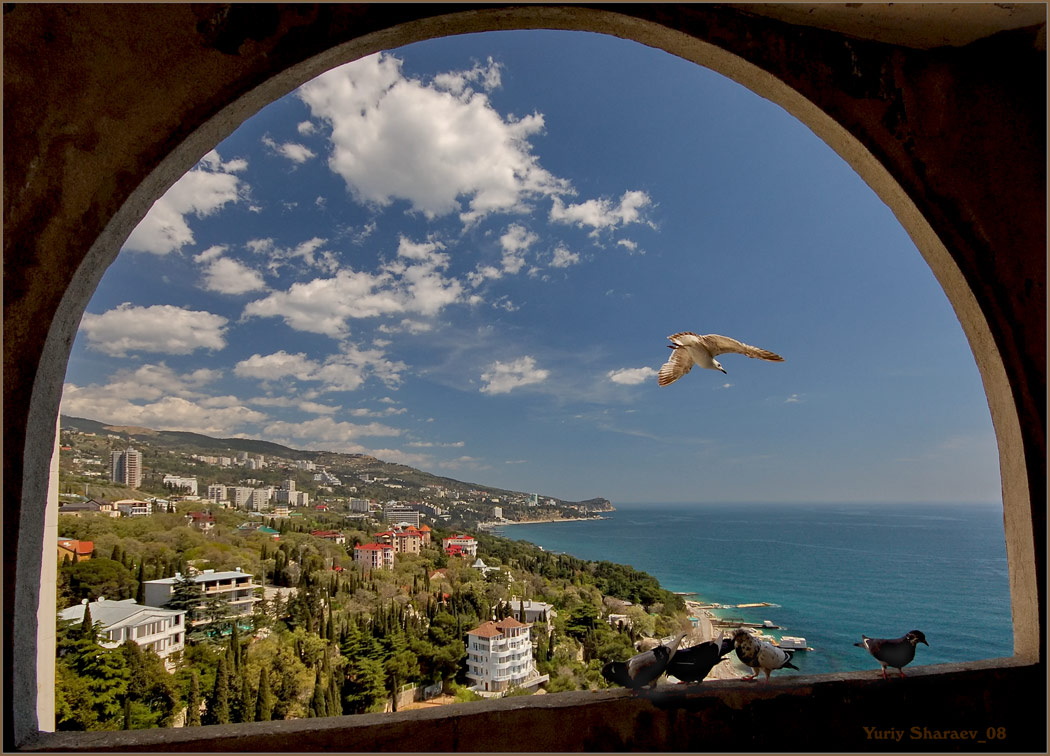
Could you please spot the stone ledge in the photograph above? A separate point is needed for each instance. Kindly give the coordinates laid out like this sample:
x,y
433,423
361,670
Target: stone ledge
x,y
799,713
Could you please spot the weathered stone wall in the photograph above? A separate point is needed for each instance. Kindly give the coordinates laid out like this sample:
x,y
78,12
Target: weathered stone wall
x,y
802,714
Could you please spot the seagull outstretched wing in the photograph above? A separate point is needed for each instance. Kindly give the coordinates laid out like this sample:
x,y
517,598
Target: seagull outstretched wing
x,y
717,345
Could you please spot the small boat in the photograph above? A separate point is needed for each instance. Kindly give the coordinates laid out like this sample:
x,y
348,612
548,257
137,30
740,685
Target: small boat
x,y
793,643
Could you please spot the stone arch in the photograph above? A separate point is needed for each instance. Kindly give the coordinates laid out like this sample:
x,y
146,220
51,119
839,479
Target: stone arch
x,y
135,95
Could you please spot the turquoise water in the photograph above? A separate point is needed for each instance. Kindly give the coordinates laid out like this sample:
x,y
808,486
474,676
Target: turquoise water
x,y
834,572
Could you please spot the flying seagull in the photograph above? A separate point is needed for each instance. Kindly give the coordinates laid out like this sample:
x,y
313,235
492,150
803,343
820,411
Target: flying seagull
x,y
693,664
893,652
760,655
688,349
642,669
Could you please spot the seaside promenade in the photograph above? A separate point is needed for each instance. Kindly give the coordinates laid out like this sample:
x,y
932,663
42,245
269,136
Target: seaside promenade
x,y
704,631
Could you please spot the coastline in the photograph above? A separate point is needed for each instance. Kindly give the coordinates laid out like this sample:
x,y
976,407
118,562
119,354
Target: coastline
x,y
726,669
537,522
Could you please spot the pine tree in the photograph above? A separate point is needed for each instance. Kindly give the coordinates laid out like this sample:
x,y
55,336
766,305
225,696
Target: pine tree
x,y
87,627
193,701
264,701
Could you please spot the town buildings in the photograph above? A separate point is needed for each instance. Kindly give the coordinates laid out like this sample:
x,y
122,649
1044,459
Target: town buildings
x,y
126,467
74,550
499,656
374,556
396,514
235,588
460,545
162,630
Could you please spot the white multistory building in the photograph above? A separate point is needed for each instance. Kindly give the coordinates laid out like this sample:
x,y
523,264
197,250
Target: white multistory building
x,y
216,492
163,630
186,485
261,499
499,656
234,587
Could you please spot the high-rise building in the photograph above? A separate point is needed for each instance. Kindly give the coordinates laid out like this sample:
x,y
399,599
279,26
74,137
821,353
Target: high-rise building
x,y
126,467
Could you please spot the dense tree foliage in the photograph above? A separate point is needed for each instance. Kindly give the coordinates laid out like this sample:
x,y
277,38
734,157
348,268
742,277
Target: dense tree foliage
x,y
329,641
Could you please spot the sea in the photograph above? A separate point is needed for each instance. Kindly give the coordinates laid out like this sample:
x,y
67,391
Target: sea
x,y
829,572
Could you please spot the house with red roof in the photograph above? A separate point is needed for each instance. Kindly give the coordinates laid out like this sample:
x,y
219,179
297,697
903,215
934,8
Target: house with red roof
x,y
204,521
460,545
374,556
76,551
329,535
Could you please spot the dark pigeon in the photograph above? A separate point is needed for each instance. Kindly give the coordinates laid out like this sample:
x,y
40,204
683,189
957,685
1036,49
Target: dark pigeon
x,y
641,669
893,652
759,655
693,664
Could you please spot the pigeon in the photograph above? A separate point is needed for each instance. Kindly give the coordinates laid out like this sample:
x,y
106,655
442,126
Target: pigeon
x,y
760,655
688,349
642,669
693,664
893,652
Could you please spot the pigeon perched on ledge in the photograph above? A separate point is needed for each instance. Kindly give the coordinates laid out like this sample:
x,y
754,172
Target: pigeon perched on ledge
x,y
688,349
693,664
759,655
642,669
893,652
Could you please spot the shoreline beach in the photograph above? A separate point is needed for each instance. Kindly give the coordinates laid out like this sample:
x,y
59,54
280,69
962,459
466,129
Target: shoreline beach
x,y
537,522
704,631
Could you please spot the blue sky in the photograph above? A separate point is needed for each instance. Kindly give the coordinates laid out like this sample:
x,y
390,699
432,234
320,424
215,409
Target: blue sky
x,y
466,255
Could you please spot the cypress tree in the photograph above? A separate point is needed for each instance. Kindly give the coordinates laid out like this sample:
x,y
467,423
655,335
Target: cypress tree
x,y
87,627
140,593
193,701
264,701
318,706
127,711
219,702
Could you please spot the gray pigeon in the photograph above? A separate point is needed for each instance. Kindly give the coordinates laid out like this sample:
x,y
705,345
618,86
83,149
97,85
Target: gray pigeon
x,y
693,664
642,669
893,652
759,655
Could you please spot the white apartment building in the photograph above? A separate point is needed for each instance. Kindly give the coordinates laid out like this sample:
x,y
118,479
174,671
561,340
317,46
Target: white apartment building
x,y
261,499
126,467
235,587
304,464
134,508
216,492
181,484
497,512
499,656
241,495
395,513
358,505
163,630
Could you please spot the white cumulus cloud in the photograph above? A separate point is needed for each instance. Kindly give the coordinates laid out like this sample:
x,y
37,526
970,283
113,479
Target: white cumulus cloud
x,y
435,145
226,275
206,188
155,396
503,377
563,258
631,376
297,153
160,328
601,214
